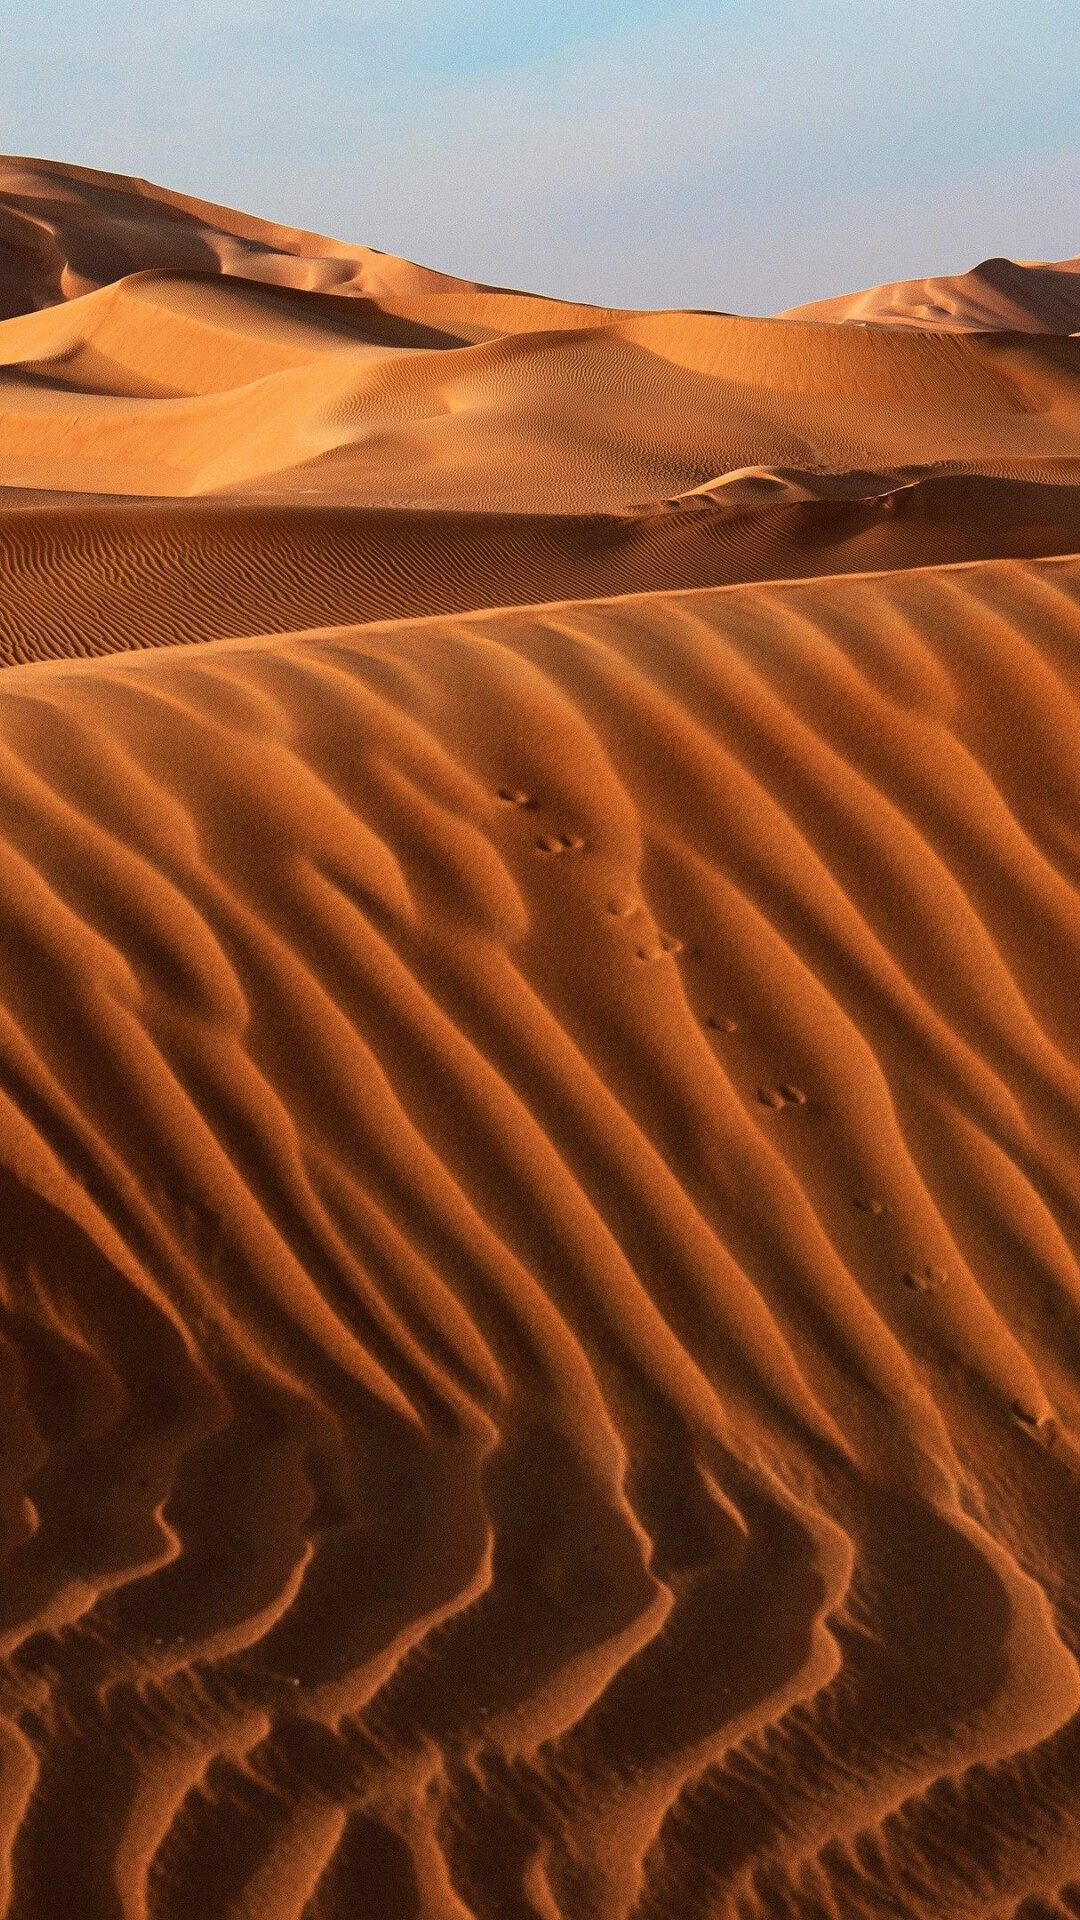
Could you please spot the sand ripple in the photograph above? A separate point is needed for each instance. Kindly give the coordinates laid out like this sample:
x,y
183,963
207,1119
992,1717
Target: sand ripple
x,y
539,1089
468,1451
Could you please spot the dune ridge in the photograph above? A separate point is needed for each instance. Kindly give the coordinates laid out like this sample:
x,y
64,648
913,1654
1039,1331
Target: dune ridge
x,y
173,384
470,1259
1021,296
539,1094
66,230
78,580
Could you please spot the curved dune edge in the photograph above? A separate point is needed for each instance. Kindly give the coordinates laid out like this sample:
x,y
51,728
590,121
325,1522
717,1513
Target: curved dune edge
x,y
175,384
66,230
1020,296
540,1285
79,579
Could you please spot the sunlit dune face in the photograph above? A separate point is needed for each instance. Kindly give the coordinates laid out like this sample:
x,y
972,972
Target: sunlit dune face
x,y
539,1089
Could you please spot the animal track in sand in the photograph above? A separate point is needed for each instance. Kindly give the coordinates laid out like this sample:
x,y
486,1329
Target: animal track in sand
x,y
456,1458
1027,1415
556,843
926,1279
664,945
785,1096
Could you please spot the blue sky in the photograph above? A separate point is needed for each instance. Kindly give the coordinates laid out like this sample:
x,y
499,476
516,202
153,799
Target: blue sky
x,y
743,154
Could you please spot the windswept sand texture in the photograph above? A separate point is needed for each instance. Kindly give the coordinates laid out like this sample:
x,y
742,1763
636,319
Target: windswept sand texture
x,y
1027,296
540,1090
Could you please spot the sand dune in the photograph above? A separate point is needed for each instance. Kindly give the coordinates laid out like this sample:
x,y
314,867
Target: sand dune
x,y
540,1096
562,1123
67,230
1022,296
79,578
183,380
180,384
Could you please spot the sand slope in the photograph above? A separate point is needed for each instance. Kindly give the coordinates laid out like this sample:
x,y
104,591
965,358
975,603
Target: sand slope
x,y
543,1162
85,577
65,230
539,1095
179,384
1024,296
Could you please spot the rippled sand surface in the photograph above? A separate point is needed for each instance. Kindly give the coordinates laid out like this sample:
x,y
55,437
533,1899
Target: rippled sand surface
x,y
539,1089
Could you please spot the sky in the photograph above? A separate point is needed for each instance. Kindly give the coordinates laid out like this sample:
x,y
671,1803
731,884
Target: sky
x,y
747,155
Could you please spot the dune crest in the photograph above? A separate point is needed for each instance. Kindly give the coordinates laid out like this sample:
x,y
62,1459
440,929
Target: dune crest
x,y
65,231
539,1095
177,384
1022,296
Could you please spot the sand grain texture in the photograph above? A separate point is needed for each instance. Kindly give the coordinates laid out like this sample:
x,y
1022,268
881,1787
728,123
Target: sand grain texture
x,y
539,1095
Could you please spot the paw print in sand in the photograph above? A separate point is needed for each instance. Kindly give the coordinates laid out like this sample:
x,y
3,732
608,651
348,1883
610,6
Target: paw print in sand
x,y
926,1279
660,948
779,1097
555,843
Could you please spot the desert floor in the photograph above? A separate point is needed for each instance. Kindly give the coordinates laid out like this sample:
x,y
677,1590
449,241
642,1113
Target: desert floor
x,y
539,1088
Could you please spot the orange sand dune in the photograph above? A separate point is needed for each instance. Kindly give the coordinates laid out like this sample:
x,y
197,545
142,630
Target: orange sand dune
x,y
66,230
542,1254
79,578
540,1092
179,384
1024,296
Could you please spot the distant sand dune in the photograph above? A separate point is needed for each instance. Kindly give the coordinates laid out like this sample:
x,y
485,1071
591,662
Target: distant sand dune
x,y
1024,296
539,1097
170,384
66,230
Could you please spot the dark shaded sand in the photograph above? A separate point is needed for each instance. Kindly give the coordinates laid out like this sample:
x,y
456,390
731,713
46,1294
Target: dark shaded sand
x,y
539,1094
